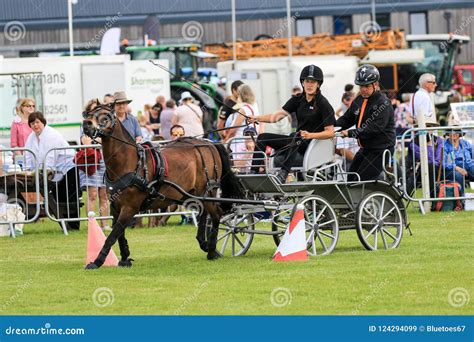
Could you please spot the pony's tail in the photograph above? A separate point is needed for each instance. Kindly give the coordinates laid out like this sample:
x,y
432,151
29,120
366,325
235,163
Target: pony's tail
x,y
230,185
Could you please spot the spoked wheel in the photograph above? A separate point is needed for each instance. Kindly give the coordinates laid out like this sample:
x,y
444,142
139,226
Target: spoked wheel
x,y
379,222
231,240
322,230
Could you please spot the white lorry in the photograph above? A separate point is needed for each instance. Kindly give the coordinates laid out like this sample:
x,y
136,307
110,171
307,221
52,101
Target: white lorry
x,y
62,86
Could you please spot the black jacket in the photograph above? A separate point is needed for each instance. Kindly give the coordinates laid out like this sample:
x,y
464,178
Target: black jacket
x,y
376,130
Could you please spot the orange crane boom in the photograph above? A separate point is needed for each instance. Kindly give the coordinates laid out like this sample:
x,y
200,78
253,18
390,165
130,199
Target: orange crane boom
x,y
358,44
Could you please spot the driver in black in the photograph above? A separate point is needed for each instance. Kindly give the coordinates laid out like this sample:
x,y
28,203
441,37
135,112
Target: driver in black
x,y
315,118
371,114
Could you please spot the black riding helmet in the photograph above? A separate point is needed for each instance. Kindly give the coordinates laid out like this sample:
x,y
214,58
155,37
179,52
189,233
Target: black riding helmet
x,y
312,72
366,74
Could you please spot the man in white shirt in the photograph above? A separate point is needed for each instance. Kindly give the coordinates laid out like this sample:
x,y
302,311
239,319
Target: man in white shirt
x,y
422,102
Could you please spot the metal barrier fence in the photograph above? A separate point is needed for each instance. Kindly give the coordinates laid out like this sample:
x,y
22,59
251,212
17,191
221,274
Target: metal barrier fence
x,y
75,185
20,193
446,162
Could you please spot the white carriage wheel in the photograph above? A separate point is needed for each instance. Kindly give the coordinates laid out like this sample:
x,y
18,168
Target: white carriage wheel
x,y
230,239
379,215
322,228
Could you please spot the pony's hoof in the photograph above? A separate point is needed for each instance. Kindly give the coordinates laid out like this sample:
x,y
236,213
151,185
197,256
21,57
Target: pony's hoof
x,y
91,266
125,263
203,245
213,255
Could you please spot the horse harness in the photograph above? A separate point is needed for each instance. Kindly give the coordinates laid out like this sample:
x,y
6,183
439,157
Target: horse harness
x,y
138,180
160,166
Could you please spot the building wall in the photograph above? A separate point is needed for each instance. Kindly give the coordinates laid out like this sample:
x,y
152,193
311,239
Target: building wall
x,y
400,20
462,22
358,20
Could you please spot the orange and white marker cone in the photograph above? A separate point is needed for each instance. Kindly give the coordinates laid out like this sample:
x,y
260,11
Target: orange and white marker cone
x,y
95,241
293,245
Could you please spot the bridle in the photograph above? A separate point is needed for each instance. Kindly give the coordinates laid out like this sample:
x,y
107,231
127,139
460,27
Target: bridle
x,y
99,131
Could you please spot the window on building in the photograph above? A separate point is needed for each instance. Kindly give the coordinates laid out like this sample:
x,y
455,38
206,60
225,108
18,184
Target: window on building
x,y
383,20
342,24
418,23
304,27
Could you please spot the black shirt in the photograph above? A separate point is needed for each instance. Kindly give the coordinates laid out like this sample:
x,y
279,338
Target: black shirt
x,y
312,116
226,110
376,129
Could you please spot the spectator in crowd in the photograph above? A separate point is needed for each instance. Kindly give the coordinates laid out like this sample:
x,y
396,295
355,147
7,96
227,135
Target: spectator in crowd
x,y
161,99
147,132
296,91
154,118
20,129
40,141
95,183
422,102
244,165
346,102
166,120
347,147
349,88
108,98
129,121
189,116
177,131
392,96
147,111
249,108
434,146
457,159
403,117
229,104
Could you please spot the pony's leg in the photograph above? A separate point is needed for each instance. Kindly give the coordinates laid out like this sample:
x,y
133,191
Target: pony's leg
x,y
124,219
201,232
124,251
215,213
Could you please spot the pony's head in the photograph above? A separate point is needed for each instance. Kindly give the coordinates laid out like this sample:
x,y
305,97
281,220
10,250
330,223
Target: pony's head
x,y
99,121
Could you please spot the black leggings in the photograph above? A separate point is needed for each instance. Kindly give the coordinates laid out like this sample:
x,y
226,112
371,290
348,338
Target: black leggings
x,y
367,164
278,141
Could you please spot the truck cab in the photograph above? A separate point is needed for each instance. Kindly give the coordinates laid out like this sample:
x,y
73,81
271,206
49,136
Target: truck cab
x,y
464,77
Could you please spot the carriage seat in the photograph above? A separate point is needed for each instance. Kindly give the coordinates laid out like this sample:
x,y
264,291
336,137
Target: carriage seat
x,y
318,154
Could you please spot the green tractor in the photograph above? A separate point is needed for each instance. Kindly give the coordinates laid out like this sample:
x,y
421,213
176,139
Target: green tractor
x,y
186,75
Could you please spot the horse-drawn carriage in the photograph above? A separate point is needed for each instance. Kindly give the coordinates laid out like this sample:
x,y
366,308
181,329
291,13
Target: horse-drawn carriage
x,y
152,177
374,208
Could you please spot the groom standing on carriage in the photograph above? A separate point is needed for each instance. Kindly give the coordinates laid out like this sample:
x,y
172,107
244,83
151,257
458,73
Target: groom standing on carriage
x,y
372,115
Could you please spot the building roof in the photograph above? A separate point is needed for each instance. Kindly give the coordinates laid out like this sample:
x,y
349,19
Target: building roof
x,y
53,13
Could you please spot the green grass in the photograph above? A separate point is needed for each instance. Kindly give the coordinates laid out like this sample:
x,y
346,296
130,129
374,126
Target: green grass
x,y
42,273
